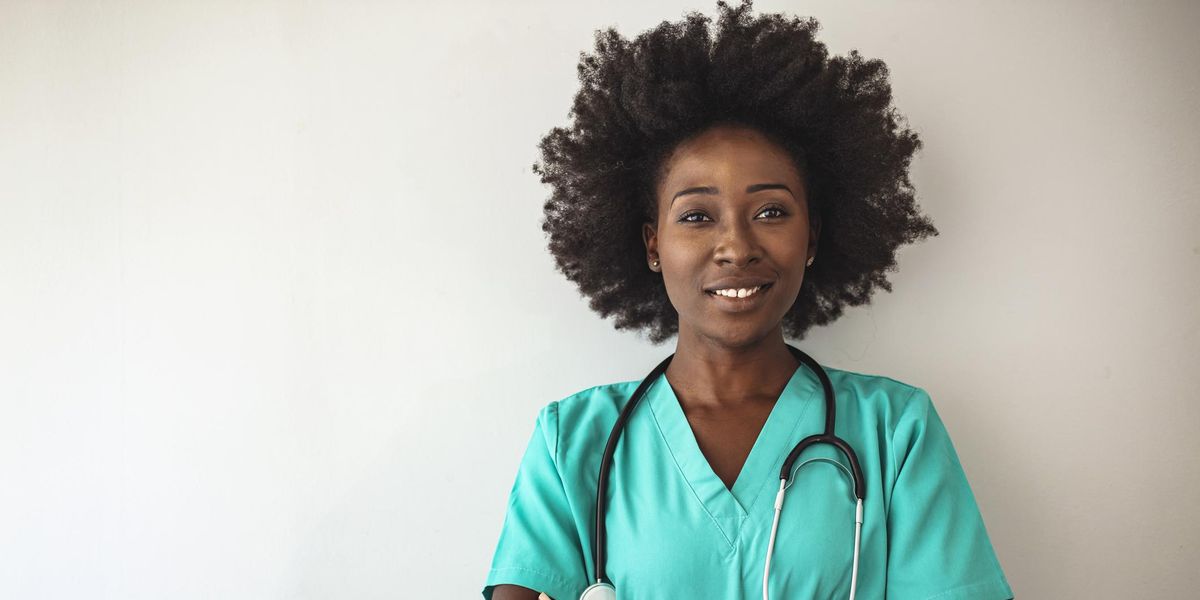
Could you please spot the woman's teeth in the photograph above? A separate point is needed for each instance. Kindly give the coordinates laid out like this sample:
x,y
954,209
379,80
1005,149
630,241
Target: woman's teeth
x,y
738,293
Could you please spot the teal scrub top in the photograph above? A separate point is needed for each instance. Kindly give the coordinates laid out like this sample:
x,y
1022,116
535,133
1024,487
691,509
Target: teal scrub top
x,y
675,530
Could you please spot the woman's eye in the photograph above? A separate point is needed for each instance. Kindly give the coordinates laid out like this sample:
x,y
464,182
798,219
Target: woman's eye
x,y
771,212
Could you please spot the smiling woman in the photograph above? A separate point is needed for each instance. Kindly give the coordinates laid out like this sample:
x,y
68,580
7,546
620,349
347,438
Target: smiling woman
x,y
734,190
642,99
733,243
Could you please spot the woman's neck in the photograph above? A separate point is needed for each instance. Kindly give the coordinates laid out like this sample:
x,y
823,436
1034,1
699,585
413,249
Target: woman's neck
x,y
708,374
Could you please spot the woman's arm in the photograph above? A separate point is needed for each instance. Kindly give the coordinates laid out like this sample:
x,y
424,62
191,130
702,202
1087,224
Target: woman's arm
x,y
516,592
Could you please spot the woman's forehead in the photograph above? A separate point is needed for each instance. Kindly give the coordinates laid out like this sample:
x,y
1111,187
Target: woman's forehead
x,y
738,164
729,146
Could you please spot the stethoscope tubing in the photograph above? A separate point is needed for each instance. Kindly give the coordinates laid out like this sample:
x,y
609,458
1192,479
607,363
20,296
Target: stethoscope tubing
x,y
828,437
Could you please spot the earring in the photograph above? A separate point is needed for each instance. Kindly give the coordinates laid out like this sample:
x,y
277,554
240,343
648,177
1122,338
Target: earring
x,y
654,263
810,261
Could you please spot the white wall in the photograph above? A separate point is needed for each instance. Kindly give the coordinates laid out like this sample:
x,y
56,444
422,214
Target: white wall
x,y
276,313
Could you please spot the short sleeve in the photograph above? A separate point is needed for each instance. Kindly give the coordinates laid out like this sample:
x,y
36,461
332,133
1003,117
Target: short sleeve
x,y
539,546
938,547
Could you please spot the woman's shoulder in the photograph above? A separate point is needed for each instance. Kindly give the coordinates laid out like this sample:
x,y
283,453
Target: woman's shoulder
x,y
862,382
587,415
877,393
868,390
855,380
889,400
574,424
598,402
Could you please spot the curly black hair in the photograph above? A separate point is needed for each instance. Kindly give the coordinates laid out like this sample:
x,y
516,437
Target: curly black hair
x,y
640,99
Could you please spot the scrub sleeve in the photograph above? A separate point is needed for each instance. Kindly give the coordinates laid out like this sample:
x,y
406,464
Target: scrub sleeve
x,y
938,547
539,545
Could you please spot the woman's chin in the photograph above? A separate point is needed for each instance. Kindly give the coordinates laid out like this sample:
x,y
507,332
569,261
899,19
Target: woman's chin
x,y
738,333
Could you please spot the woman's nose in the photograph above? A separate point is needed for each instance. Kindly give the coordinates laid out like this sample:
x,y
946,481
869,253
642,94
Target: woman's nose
x,y
736,244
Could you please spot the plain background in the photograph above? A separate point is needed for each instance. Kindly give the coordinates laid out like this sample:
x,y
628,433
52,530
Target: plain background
x,y
276,312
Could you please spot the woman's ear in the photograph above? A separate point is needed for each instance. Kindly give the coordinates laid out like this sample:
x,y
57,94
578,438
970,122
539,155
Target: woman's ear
x,y
650,238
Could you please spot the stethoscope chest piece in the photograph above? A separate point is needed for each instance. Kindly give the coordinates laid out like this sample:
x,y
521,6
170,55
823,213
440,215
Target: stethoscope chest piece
x,y
599,591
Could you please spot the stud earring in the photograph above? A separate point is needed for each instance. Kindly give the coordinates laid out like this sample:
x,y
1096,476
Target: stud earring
x,y
654,263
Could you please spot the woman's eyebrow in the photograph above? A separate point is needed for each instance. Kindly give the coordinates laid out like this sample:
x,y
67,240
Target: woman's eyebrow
x,y
758,187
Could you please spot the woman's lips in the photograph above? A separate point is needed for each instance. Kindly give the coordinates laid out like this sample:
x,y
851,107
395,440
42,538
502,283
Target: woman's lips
x,y
730,304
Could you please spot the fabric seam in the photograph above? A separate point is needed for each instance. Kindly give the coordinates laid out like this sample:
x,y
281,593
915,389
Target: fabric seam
x,y
968,587
550,576
892,455
790,436
683,475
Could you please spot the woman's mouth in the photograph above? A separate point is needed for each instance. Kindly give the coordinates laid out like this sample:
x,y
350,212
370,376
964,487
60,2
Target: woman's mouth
x,y
739,299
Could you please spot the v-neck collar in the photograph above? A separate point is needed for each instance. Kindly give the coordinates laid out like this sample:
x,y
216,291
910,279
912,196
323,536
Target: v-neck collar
x,y
777,437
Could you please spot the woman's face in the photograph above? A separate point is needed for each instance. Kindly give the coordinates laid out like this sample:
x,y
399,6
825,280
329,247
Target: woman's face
x,y
732,214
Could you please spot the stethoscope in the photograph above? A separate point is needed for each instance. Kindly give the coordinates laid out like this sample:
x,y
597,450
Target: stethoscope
x,y
603,589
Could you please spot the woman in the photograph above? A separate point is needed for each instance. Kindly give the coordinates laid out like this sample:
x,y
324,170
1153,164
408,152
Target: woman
x,y
729,189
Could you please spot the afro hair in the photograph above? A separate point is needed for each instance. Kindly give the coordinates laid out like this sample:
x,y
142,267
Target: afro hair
x,y
640,98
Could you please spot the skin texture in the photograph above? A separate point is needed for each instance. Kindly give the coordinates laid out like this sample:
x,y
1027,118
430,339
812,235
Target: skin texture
x,y
729,367
516,592
726,359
